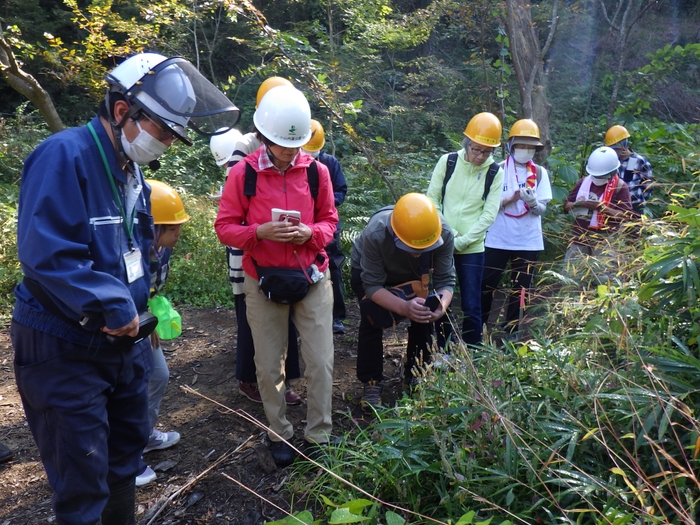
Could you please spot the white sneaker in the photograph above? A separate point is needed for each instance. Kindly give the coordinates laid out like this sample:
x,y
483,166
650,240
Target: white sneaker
x,y
160,440
145,477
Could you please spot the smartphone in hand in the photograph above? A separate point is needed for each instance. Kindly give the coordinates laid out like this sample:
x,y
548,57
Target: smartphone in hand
x,y
433,301
291,219
291,216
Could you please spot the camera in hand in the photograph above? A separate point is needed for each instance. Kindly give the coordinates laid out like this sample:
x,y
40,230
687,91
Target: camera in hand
x,y
433,301
147,323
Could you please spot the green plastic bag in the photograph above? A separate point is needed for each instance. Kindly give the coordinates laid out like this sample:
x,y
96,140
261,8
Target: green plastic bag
x,y
169,321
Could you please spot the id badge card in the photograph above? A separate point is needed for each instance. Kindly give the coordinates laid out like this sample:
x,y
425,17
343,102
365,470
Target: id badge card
x,y
133,264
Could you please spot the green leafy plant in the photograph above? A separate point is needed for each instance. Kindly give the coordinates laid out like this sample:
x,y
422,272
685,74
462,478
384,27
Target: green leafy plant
x,y
10,273
199,274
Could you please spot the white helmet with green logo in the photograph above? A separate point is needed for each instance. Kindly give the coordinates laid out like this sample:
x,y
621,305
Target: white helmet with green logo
x,y
284,117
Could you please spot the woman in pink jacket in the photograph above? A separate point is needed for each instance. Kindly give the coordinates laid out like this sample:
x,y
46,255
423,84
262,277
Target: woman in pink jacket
x,y
278,176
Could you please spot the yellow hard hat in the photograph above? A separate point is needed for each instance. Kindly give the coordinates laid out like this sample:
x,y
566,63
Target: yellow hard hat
x,y
616,134
166,204
484,129
318,137
268,84
416,223
525,132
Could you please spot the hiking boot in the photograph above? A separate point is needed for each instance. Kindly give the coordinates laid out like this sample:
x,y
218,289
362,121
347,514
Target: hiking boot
x,y
338,326
291,397
250,390
145,477
371,396
6,453
283,454
160,440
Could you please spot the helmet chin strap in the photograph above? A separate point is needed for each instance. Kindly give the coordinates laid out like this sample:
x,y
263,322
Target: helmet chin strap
x,y
117,133
272,156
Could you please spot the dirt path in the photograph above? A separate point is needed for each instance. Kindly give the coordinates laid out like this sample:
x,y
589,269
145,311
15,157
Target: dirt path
x,y
203,358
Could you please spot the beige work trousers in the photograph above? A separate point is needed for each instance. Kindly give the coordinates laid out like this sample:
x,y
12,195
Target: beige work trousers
x,y
313,317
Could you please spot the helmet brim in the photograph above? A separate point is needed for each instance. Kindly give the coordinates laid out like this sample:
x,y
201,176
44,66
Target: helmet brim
x,y
405,247
413,249
181,220
527,141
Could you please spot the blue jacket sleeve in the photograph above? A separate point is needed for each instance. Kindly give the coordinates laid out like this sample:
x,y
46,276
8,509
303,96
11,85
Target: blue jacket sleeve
x,y
70,233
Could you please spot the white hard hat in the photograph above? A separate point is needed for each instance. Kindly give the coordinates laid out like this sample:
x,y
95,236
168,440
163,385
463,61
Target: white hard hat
x,y
222,145
174,93
133,69
284,117
603,161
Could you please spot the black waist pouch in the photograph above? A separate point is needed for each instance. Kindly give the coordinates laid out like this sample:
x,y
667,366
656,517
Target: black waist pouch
x,y
283,285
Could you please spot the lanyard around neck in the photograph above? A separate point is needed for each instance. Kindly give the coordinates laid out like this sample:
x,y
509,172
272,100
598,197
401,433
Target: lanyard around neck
x,y
128,225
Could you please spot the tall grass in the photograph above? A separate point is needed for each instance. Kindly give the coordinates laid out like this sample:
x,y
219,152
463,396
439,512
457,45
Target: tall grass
x,y
590,420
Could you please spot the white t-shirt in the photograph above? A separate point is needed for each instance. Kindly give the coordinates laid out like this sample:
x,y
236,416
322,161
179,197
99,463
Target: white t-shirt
x,y
524,233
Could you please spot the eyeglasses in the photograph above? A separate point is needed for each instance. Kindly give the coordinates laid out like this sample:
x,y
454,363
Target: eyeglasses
x,y
480,152
163,134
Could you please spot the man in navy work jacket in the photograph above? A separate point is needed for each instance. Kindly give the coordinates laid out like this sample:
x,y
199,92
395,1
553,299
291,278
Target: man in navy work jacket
x,y
83,235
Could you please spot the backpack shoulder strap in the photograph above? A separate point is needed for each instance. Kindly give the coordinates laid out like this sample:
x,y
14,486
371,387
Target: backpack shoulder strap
x,y
449,170
251,181
312,175
490,175
538,171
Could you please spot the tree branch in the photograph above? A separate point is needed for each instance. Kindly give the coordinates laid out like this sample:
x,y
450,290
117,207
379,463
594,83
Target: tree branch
x,y
552,30
605,15
26,85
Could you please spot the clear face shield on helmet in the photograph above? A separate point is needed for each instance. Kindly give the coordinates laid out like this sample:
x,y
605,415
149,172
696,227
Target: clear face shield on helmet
x,y
176,95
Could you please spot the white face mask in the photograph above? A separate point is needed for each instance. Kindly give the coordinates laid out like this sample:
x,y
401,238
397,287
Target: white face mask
x,y
314,154
522,155
145,148
599,181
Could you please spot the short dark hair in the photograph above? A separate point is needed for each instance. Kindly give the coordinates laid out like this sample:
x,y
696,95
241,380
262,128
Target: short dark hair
x,y
113,98
264,139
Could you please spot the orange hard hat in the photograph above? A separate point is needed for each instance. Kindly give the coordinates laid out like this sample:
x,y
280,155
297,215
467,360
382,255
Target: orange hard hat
x,y
615,134
484,129
166,204
318,137
525,132
268,84
416,223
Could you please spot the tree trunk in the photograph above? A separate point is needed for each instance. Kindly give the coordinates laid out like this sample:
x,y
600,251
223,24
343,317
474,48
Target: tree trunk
x,y
528,63
631,11
25,84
